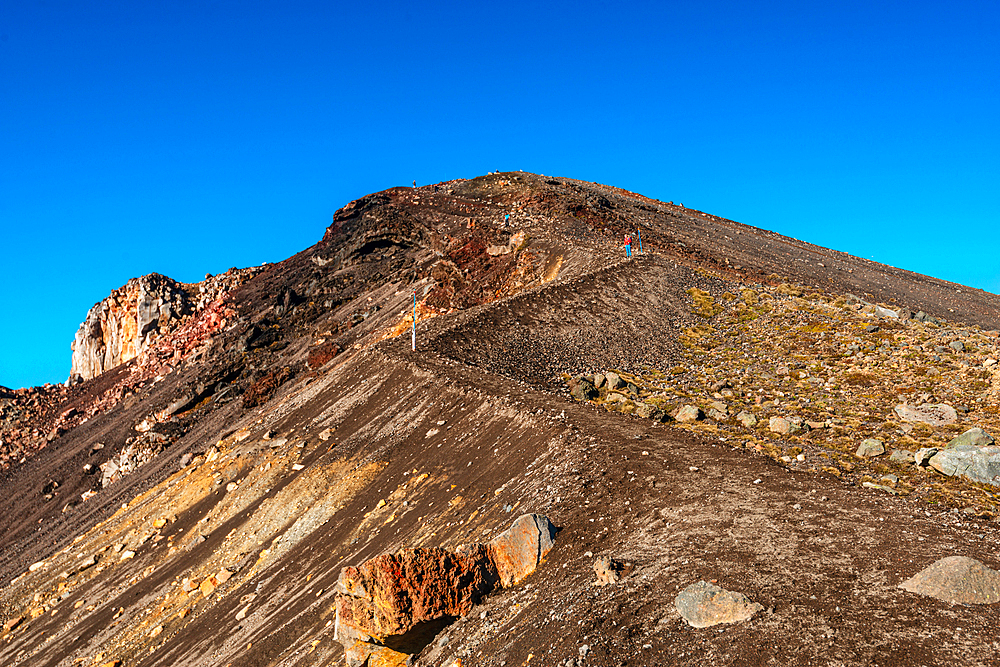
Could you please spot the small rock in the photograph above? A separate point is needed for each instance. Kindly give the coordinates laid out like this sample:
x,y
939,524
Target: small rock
x,y
869,448
232,486
208,586
781,426
879,487
599,380
989,363
689,414
957,345
647,411
901,456
583,391
614,381
606,569
716,415
126,555
747,419
325,434
703,605
923,455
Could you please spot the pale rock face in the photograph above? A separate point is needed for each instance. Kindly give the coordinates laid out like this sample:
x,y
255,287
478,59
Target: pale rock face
x,y
121,326
935,415
958,580
703,605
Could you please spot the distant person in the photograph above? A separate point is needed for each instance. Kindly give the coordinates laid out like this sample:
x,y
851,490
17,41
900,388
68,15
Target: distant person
x,y
414,184
628,245
506,219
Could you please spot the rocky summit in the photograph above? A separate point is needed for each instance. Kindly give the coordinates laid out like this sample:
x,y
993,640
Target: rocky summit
x,y
464,429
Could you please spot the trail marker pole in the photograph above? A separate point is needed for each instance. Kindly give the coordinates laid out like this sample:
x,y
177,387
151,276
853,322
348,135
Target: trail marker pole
x,y
638,235
413,342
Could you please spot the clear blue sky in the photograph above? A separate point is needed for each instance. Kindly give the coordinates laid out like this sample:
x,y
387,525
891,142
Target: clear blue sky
x,y
189,137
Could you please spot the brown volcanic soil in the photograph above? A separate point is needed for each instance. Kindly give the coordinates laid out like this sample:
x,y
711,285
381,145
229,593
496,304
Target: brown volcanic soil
x,y
479,409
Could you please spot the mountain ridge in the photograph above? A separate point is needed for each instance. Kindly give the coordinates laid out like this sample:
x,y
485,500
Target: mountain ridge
x,y
284,441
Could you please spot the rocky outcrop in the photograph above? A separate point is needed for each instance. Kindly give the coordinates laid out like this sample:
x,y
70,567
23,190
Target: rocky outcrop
x,y
134,318
401,600
121,326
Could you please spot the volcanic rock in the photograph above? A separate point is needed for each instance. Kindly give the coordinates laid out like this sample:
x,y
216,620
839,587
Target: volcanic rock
x,y
979,464
936,415
870,447
703,605
403,599
688,414
958,580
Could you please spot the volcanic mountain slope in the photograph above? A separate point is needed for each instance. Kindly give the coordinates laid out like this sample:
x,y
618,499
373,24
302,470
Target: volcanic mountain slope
x,y
199,505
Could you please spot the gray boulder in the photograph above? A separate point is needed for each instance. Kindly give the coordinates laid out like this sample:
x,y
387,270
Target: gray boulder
x,y
979,464
870,447
703,605
974,436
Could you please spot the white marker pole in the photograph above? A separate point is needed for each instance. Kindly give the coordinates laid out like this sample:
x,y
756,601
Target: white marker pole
x,y
414,340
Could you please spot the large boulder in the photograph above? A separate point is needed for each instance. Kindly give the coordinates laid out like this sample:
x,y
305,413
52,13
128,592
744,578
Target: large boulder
x,y
401,600
703,605
392,597
939,414
957,580
974,436
977,463
516,552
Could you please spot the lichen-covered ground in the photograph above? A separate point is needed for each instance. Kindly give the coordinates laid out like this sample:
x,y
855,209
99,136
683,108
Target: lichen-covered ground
x,y
835,369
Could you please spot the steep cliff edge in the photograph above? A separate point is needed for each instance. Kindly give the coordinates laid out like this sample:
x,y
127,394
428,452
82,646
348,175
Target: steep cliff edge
x,y
124,324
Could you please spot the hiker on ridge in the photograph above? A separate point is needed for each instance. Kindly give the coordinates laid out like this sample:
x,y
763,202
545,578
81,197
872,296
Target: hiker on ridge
x,y
628,245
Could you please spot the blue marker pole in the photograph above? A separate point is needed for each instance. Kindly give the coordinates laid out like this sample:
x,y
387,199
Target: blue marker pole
x,y
413,342
638,236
